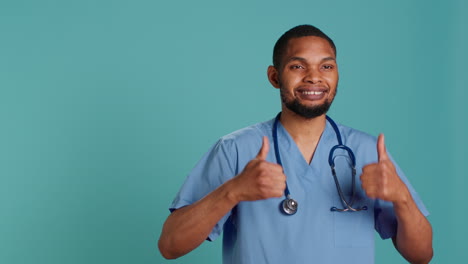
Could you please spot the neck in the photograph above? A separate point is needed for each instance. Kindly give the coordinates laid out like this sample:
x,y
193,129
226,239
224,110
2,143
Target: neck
x,y
306,132
301,128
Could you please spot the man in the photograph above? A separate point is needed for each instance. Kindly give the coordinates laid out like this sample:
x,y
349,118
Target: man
x,y
238,186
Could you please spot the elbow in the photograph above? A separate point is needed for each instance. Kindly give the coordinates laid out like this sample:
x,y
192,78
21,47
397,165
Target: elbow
x,y
166,250
423,259
429,256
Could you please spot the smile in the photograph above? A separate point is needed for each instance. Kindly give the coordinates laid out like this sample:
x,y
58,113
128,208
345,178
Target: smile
x,y
312,92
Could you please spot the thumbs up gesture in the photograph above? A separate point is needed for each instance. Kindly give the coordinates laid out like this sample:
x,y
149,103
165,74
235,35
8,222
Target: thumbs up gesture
x,y
380,180
260,179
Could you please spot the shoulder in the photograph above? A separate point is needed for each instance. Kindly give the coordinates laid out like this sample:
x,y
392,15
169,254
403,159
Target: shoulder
x,y
248,135
350,134
239,147
362,143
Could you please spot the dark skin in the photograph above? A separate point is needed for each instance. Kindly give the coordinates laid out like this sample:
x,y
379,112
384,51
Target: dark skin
x,y
186,228
414,234
308,73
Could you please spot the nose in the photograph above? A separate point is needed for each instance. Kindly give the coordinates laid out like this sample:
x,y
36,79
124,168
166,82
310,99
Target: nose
x,y
313,76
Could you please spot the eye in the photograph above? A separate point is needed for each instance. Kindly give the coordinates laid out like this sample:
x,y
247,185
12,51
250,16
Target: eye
x,y
328,67
296,67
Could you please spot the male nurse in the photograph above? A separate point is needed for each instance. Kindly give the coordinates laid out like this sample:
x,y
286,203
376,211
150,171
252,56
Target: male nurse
x,y
238,187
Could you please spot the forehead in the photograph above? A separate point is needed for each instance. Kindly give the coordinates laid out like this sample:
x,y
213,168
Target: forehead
x,y
309,47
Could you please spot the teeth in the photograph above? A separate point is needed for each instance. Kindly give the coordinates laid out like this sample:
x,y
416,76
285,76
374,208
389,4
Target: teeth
x,y
311,92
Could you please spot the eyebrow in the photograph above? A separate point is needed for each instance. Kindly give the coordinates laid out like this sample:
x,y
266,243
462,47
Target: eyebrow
x,y
304,60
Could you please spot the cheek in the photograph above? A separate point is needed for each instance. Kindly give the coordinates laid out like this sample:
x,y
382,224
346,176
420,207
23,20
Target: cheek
x,y
332,81
285,84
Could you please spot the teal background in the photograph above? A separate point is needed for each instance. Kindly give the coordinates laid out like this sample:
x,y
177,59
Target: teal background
x,y
105,106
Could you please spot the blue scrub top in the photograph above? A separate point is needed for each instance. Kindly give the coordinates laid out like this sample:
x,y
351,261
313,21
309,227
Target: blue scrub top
x,y
258,232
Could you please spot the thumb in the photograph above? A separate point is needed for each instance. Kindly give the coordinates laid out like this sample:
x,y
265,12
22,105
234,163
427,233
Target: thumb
x,y
381,149
263,153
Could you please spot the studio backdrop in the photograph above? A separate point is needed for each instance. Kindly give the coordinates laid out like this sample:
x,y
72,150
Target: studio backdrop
x,y
105,106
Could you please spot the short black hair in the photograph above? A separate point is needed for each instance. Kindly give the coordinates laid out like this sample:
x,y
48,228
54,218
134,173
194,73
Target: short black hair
x,y
297,32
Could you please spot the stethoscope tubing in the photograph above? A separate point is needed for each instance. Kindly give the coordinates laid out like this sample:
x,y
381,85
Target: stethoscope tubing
x,y
289,206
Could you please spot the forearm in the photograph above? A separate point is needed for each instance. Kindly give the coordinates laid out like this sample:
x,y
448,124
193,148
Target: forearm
x,y
414,234
186,228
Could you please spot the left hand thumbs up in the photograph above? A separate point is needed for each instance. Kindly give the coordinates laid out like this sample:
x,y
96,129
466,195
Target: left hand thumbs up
x,y
381,149
380,180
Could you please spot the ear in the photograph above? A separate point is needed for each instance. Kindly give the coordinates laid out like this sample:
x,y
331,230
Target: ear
x,y
273,76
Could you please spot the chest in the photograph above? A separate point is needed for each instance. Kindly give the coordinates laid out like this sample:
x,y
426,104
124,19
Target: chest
x,y
307,150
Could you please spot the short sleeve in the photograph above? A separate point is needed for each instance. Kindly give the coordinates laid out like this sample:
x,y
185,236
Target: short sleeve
x,y
385,218
216,167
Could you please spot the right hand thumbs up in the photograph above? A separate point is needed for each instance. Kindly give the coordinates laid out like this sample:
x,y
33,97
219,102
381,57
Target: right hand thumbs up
x,y
263,152
260,179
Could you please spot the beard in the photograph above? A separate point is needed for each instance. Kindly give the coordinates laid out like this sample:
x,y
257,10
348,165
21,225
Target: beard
x,y
305,111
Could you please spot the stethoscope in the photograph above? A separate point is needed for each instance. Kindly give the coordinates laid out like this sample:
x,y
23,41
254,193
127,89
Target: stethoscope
x,y
289,206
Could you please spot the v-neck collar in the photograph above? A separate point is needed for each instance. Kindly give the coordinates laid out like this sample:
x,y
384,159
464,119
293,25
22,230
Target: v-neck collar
x,y
288,146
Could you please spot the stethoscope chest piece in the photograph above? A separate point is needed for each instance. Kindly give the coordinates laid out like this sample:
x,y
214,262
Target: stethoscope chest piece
x,y
289,206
